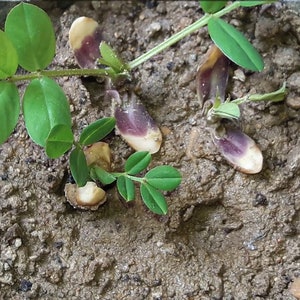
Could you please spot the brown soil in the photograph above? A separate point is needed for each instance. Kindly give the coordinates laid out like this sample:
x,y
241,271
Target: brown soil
x,y
227,235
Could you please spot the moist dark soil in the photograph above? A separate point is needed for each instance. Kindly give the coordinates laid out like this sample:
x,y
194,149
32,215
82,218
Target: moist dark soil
x,y
227,235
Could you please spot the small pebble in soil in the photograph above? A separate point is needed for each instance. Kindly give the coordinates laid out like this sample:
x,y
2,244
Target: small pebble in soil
x,y
170,65
294,81
29,160
25,285
293,101
151,3
58,245
295,288
239,75
154,28
232,227
288,58
4,177
260,200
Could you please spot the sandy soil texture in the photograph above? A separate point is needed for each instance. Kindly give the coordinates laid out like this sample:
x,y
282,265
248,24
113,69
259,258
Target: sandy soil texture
x,y
226,236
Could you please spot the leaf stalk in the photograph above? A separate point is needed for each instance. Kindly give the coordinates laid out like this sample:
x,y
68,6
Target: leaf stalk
x,y
134,63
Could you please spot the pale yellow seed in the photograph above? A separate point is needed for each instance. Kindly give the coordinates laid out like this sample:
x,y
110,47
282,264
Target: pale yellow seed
x,y
81,28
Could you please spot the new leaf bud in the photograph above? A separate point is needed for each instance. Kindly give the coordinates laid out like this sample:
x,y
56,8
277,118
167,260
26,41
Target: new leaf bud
x,y
212,76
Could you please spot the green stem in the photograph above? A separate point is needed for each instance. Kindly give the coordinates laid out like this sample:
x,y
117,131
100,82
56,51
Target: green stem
x,y
136,62
275,96
134,178
180,35
61,73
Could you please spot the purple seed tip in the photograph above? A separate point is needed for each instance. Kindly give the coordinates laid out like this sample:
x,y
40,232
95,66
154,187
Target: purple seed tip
x,y
212,76
240,150
137,127
85,36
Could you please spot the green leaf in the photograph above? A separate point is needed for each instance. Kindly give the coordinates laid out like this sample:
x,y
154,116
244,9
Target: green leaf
x,y
212,6
8,57
227,110
153,199
79,167
137,162
254,3
45,105
9,109
31,32
234,45
59,140
103,176
275,96
164,178
126,188
110,58
97,131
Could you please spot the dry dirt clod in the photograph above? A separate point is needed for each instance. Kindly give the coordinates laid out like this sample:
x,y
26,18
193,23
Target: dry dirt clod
x,y
295,288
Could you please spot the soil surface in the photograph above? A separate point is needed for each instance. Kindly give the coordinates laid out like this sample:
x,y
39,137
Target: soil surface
x,y
227,235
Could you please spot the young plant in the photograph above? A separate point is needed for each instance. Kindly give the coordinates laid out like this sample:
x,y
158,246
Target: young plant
x,y
93,164
29,41
134,123
237,148
89,136
161,178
